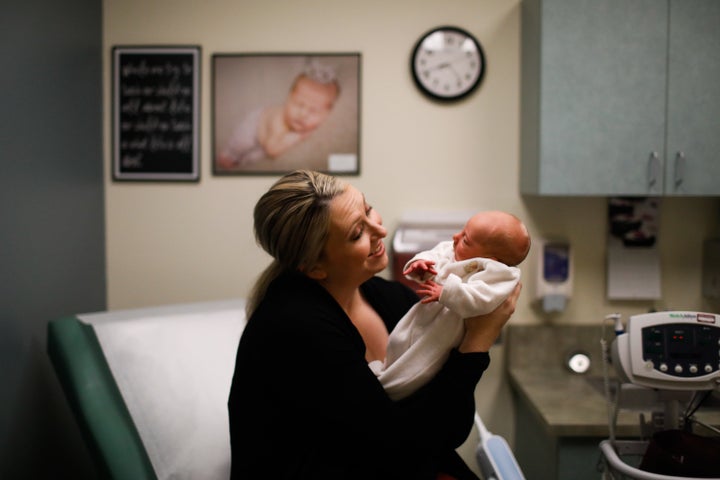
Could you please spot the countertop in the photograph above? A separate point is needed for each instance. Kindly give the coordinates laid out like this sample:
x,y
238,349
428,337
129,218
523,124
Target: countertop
x,y
566,403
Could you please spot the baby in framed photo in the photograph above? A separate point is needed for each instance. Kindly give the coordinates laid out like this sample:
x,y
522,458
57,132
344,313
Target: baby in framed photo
x,y
267,135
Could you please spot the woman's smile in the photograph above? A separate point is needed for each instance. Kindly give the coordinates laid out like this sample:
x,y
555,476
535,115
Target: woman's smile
x,y
379,251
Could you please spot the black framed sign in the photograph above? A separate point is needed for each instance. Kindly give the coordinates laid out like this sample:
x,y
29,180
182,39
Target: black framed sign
x,y
156,112
277,112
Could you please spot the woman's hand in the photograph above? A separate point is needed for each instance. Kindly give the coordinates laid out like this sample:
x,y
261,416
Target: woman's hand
x,y
482,331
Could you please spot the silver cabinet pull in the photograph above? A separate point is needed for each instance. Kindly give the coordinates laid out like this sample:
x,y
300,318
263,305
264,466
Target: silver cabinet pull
x,y
679,169
653,169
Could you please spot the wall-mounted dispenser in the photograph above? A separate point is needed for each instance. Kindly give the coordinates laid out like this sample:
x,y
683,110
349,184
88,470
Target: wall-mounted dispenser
x,y
555,277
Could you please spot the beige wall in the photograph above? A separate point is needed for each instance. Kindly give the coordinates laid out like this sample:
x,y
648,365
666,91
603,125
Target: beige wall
x,y
188,242
169,243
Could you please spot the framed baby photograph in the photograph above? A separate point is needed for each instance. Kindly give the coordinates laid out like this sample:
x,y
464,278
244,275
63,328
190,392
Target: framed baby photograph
x,y
274,113
156,113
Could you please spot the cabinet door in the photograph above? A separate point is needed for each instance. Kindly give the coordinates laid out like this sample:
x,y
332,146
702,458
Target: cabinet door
x,y
601,98
693,139
603,95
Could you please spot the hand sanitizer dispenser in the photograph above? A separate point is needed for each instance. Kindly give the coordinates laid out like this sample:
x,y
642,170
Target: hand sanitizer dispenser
x,y
554,279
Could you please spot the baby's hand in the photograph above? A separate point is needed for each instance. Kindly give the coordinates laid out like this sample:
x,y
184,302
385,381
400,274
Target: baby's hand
x,y
430,291
420,268
276,145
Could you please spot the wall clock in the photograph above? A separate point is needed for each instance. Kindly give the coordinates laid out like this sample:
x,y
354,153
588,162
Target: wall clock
x,y
447,63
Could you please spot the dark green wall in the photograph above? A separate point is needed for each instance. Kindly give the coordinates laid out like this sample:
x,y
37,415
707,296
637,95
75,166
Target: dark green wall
x,y
52,245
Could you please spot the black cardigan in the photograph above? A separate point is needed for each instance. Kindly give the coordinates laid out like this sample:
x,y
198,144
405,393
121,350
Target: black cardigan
x,y
304,404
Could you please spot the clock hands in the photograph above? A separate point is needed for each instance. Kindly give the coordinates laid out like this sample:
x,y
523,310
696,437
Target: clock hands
x,y
447,63
450,67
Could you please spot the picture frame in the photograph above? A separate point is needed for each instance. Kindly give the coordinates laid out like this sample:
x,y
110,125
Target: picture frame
x,y
278,112
156,113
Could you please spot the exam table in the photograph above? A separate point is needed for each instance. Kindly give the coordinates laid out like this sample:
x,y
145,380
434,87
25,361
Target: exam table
x,y
173,365
149,390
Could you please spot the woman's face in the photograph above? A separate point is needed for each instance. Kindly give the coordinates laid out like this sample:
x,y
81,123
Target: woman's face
x,y
354,251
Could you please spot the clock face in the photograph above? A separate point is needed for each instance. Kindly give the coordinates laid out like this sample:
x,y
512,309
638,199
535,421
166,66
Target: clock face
x,y
447,63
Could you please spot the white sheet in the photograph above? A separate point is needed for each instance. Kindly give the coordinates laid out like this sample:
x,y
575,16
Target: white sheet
x,y
174,366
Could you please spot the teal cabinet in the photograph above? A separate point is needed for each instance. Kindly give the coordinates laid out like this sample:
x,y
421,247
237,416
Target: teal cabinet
x,y
620,98
693,119
543,456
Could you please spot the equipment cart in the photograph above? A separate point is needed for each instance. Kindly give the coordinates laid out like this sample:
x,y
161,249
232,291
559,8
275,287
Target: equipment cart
x,y
677,356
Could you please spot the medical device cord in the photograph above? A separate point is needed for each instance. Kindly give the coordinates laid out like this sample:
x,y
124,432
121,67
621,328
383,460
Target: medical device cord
x,y
612,409
698,399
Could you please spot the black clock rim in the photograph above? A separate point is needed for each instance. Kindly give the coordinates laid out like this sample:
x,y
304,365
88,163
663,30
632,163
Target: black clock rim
x,y
455,97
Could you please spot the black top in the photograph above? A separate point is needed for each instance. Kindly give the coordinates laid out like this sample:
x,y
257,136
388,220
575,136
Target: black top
x,y
305,405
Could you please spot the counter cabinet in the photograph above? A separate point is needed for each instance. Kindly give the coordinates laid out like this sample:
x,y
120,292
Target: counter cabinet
x,y
561,417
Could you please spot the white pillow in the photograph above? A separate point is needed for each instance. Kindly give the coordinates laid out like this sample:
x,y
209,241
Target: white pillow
x,y
173,366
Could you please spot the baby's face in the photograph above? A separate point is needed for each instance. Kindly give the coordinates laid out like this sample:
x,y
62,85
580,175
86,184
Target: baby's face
x,y
467,243
308,105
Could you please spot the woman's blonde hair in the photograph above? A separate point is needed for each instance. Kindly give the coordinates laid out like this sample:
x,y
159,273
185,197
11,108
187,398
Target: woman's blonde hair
x,y
291,224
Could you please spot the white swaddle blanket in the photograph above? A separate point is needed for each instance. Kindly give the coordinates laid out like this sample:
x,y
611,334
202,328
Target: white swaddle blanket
x,y
422,340
173,366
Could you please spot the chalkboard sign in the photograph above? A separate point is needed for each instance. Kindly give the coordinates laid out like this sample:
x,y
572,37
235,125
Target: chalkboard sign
x,y
156,113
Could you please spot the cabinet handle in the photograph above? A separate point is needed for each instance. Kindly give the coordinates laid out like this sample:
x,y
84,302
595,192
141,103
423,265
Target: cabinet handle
x,y
679,169
653,169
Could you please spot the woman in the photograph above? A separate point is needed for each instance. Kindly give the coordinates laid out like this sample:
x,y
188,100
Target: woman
x,y
304,403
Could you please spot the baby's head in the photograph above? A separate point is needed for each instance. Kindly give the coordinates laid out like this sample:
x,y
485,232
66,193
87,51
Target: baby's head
x,y
493,234
309,103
